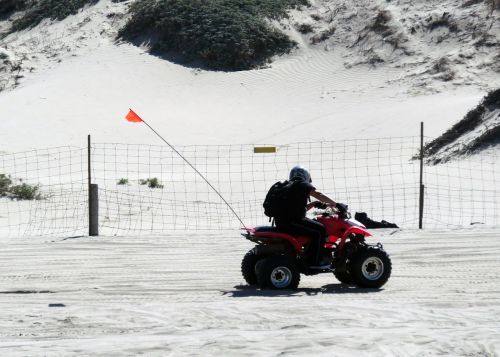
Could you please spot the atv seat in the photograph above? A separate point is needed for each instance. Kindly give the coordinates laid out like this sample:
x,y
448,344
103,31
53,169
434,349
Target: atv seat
x,y
262,229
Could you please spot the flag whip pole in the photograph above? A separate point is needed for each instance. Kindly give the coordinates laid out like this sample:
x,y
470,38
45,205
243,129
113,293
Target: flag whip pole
x,y
196,170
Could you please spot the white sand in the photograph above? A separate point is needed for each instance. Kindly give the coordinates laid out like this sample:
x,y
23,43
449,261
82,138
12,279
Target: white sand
x,y
184,295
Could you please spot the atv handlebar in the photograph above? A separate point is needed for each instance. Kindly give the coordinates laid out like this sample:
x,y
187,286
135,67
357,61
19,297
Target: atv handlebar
x,y
341,211
342,207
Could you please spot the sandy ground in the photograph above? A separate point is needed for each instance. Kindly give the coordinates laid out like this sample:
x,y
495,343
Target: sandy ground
x,y
179,295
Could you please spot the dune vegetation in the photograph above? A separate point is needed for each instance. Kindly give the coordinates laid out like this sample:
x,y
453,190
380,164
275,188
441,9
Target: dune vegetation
x,y
217,34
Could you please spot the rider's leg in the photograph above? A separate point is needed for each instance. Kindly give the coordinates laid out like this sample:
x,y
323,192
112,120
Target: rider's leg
x,y
317,232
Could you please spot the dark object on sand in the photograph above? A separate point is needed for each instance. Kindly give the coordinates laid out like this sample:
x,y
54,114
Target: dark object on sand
x,y
370,223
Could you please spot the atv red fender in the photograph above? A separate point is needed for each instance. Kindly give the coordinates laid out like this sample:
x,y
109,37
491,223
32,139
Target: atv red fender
x,y
271,233
350,231
333,240
356,230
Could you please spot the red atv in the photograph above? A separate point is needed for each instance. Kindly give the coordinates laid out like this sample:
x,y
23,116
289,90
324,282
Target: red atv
x,y
279,257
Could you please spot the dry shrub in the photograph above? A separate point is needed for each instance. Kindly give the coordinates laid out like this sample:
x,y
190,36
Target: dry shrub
x,y
323,35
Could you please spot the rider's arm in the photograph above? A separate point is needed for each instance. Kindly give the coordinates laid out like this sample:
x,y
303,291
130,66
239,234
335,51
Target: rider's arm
x,y
321,197
310,205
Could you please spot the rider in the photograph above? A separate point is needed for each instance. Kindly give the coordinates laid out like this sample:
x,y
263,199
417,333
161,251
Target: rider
x,y
295,220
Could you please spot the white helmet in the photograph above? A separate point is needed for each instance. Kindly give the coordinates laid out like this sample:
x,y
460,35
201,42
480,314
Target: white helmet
x,y
299,172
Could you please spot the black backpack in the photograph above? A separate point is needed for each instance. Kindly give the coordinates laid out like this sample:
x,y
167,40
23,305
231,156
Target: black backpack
x,y
277,199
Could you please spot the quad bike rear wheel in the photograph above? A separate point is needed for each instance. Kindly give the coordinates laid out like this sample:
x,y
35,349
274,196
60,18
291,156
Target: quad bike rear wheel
x,y
278,272
248,266
371,268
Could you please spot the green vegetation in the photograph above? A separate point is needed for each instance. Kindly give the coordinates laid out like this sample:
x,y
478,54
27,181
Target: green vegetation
x,y
215,34
25,192
152,182
471,121
9,6
22,191
37,10
304,28
5,183
122,181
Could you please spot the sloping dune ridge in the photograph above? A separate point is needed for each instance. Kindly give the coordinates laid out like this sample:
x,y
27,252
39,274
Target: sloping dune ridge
x,y
74,71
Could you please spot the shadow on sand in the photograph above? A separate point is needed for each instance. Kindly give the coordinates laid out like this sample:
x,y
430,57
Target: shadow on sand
x,y
147,40
247,291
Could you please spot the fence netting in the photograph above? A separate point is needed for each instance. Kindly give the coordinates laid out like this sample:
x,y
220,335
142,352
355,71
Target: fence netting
x,y
43,192
149,189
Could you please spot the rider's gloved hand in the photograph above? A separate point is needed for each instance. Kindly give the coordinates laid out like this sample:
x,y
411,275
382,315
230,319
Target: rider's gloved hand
x,y
319,204
341,207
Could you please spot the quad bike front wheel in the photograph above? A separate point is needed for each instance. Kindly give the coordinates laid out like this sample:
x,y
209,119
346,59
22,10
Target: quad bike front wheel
x,y
248,266
371,268
344,276
277,272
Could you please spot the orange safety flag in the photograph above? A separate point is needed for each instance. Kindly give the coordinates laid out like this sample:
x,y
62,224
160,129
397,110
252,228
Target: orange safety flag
x,y
133,117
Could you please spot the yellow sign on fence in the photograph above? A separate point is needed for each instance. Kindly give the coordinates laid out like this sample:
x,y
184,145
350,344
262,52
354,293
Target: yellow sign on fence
x,y
264,149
